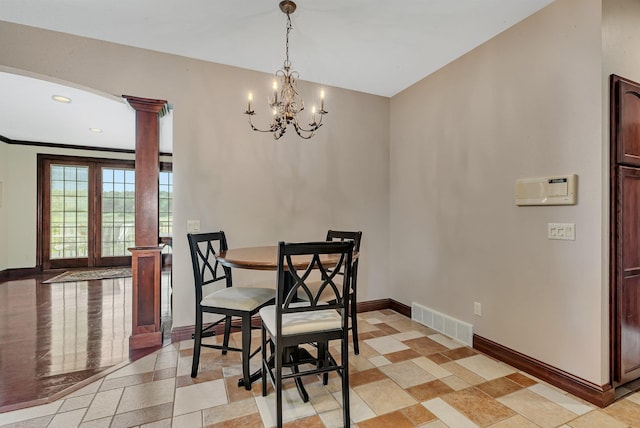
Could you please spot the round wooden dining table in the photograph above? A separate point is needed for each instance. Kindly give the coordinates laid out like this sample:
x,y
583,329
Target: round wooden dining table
x,y
264,258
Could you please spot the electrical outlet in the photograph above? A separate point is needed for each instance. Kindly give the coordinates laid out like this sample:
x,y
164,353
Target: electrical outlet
x,y
477,309
193,225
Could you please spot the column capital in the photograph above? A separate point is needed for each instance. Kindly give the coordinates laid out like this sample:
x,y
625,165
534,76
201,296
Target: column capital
x,y
147,104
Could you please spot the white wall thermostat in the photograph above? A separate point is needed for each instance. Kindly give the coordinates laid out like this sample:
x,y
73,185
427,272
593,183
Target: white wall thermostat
x,y
554,190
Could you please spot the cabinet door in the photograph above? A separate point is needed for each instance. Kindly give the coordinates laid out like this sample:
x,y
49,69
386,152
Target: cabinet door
x,y
627,295
627,122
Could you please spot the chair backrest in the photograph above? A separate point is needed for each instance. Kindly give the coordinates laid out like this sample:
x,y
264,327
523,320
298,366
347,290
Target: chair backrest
x,y
297,262
204,247
355,237
343,235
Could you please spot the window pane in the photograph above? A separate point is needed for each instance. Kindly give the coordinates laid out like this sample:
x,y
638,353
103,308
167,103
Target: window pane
x,y
57,172
70,173
129,205
83,220
82,175
118,211
65,204
82,205
70,204
57,203
165,203
83,188
57,187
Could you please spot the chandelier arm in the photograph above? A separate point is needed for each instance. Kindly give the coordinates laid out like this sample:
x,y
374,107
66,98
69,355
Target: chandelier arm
x,y
299,131
301,128
313,126
253,127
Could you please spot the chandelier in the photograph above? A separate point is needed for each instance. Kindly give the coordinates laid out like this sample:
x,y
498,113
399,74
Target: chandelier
x,y
285,102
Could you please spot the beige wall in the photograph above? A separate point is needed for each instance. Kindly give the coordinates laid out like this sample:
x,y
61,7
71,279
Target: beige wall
x,y
621,38
256,189
620,47
525,104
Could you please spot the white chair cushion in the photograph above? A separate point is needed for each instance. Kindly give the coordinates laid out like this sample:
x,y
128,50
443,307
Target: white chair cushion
x,y
302,322
239,298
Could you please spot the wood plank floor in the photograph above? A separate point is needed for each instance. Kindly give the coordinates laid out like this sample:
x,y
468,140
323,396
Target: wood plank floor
x,y
55,336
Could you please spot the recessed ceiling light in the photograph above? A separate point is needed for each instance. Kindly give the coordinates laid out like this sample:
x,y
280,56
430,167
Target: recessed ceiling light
x,y
61,99
96,130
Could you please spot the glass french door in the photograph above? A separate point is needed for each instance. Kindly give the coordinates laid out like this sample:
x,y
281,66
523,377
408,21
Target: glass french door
x,y
87,211
117,216
68,212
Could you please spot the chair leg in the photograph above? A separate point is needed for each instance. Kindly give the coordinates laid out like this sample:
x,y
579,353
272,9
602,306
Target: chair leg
x,y
278,364
294,360
345,382
197,341
354,323
265,361
323,360
227,333
246,349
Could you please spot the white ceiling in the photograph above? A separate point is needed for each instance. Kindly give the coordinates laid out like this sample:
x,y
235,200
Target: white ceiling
x,y
373,46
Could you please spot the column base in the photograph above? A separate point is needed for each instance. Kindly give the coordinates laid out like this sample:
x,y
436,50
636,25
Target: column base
x,y
145,340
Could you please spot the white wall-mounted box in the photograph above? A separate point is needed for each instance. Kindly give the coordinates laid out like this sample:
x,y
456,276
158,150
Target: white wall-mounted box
x,y
554,190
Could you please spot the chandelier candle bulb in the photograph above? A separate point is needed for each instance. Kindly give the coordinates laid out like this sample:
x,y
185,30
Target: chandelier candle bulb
x,y
249,101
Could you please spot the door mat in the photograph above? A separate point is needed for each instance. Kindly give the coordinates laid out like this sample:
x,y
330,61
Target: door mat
x,y
88,275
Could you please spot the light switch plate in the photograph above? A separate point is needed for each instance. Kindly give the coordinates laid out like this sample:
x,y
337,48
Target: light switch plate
x,y
193,226
561,231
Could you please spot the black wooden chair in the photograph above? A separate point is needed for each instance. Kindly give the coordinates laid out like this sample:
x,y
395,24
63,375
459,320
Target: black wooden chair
x,y
290,322
355,237
227,301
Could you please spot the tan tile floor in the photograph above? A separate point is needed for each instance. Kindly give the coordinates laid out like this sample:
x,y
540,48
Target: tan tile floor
x,y
405,376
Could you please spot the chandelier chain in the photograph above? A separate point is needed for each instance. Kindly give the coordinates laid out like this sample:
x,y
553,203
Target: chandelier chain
x,y
287,63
